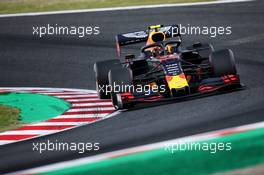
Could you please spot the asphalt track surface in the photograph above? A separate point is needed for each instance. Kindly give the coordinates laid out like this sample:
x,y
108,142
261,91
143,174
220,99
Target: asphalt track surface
x,y
67,62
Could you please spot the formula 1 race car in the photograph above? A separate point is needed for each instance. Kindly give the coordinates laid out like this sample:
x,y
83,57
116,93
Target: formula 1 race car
x,y
164,69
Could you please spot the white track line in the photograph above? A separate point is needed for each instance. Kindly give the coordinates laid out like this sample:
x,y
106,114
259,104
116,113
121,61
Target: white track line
x,y
65,93
91,104
50,89
121,8
75,96
6,142
91,109
80,100
59,123
81,116
148,147
29,132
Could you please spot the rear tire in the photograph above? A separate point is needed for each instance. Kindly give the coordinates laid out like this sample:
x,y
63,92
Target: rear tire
x,y
223,63
101,69
119,78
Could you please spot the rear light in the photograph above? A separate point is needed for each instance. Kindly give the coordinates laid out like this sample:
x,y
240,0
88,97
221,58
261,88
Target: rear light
x,y
127,95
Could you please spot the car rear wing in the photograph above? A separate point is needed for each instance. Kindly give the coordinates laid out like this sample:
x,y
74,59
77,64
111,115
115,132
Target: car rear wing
x,y
142,36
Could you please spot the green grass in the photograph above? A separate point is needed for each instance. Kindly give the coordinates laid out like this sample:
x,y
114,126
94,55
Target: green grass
x,y
34,107
20,6
9,118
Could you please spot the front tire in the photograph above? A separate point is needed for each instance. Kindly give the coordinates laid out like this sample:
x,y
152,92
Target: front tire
x,y
223,63
120,79
101,69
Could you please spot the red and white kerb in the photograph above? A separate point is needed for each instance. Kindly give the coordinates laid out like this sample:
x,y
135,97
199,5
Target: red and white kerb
x,y
85,108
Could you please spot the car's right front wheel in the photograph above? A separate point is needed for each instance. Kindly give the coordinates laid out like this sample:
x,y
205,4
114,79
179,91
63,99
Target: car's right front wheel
x,y
101,69
120,80
223,63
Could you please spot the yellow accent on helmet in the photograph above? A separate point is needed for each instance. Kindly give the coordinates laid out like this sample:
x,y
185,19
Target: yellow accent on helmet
x,y
171,48
155,27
